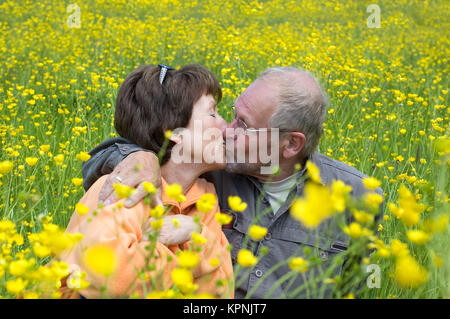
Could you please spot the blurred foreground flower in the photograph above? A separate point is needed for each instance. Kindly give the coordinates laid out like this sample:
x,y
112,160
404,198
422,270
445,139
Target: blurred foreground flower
x,y
175,192
408,272
206,203
236,203
6,167
123,191
100,259
246,258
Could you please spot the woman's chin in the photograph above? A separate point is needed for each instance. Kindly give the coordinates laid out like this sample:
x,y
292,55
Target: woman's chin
x,y
216,165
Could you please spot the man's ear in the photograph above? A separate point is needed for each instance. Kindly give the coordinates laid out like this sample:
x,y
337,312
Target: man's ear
x,y
293,143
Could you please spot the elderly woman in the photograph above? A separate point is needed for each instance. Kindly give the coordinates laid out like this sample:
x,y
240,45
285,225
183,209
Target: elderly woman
x,y
151,101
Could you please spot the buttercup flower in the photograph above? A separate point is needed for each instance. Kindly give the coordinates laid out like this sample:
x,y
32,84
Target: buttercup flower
x,y
100,259
313,172
188,259
408,272
123,191
246,258
31,161
371,183
206,203
175,192
81,209
298,264
257,232
236,203
6,167
149,188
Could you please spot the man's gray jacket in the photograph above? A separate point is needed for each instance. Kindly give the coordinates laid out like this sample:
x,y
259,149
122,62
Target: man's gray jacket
x,y
285,238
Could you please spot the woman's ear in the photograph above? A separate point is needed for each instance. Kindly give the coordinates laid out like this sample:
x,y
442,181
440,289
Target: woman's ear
x,y
176,136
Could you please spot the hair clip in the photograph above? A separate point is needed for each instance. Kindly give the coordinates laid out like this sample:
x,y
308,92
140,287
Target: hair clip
x,y
164,69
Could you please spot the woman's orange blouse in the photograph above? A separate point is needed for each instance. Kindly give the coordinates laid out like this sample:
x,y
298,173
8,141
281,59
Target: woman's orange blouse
x,y
122,229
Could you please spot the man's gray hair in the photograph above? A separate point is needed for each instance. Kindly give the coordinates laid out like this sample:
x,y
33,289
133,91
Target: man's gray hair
x,y
302,104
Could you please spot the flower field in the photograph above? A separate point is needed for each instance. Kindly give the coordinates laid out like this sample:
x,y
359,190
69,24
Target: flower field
x,y
388,113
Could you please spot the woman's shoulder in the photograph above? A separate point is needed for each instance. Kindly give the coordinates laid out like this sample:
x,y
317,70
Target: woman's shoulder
x,y
92,194
206,186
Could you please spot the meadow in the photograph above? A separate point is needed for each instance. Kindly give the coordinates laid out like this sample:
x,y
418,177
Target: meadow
x,y
388,113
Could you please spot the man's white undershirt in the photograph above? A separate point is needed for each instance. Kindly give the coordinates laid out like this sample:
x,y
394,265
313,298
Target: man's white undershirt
x,y
277,192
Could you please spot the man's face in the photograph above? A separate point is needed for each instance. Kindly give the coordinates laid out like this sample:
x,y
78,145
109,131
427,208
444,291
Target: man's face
x,y
254,109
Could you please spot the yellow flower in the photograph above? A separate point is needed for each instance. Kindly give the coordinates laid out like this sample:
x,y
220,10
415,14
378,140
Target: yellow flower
x,y
214,262
168,294
77,181
100,259
223,219
41,251
371,182
198,238
168,134
436,224
313,172
312,209
77,281
83,156
188,259
362,217
354,230
59,159
175,222
383,252
408,272
150,188
257,232
206,203
123,191
20,267
236,203
175,192
418,237
339,194
157,211
246,258
372,200
81,209
157,224
398,248
408,210
30,295
6,167
16,287
31,161
44,148
438,261
298,264
182,277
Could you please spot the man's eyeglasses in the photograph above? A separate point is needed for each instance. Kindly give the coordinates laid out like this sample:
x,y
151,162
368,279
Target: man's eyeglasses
x,y
241,124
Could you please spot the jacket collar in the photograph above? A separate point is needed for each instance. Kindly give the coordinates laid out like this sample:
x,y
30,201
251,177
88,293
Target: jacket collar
x,y
192,195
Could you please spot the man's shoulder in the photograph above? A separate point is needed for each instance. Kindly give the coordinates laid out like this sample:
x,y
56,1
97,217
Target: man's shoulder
x,y
331,169
328,164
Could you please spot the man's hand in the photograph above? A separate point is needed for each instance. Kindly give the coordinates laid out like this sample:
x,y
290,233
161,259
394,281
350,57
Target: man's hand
x,y
174,233
134,170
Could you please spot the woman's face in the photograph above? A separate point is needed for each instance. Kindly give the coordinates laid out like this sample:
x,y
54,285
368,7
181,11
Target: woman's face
x,y
202,140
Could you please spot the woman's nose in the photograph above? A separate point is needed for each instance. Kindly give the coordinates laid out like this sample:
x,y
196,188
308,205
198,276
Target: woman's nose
x,y
228,131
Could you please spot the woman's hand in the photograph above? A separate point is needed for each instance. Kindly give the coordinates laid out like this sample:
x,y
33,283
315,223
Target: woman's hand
x,y
176,232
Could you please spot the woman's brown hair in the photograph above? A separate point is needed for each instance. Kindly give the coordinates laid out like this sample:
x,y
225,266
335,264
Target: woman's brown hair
x,y
145,108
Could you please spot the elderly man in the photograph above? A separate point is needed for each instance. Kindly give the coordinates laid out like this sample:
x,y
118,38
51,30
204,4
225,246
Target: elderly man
x,y
284,98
